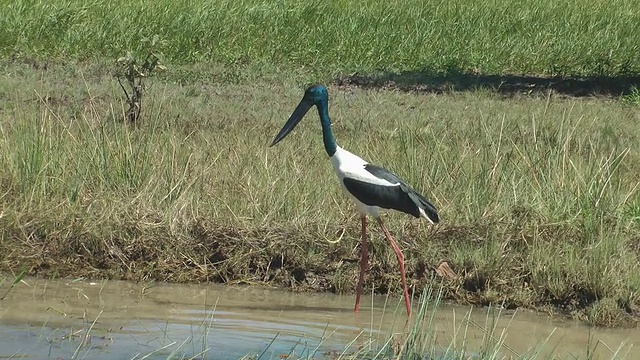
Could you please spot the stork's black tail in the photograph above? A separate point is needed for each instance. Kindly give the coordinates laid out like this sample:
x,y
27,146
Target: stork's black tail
x,y
428,209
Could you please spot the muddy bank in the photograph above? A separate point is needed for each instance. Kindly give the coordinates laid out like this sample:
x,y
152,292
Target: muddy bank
x,y
290,259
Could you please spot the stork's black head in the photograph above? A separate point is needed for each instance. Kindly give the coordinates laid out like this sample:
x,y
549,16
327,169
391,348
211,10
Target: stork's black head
x,y
314,95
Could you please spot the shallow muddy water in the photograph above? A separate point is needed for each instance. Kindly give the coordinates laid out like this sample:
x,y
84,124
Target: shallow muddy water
x,y
122,320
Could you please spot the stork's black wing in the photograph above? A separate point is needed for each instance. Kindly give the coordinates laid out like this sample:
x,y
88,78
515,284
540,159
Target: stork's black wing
x,y
397,196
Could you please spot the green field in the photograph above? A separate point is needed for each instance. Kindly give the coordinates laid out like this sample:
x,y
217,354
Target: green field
x,y
323,38
538,191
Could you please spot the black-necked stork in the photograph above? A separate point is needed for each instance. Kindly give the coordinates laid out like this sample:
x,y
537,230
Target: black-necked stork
x,y
371,187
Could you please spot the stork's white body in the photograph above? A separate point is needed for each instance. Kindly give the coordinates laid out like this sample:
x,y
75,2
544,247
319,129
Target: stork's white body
x,y
349,165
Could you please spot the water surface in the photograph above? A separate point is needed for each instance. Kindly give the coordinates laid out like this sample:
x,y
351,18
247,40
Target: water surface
x,y
43,319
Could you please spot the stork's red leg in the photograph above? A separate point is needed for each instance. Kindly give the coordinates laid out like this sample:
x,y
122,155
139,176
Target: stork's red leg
x,y
400,256
363,261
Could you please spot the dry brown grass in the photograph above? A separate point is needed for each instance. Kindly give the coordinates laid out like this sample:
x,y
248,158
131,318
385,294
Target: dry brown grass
x,y
538,195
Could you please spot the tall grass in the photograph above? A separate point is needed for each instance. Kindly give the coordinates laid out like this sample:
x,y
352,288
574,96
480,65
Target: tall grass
x,y
539,197
534,37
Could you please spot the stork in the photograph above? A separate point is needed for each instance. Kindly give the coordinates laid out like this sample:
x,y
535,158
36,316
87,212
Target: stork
x,y
371,187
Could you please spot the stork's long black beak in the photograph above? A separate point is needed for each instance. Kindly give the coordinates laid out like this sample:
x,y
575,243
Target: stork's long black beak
x,y
295,118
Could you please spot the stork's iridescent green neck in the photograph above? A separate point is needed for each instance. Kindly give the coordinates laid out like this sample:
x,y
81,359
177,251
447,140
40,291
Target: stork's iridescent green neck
x,y
327,135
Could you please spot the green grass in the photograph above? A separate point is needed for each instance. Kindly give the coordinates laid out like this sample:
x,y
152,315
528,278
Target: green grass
x,y
335,37
633,98
538,195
